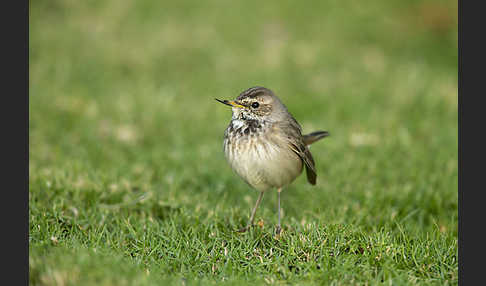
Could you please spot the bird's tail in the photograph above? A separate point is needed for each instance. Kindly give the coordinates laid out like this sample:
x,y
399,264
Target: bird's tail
x,y
314,136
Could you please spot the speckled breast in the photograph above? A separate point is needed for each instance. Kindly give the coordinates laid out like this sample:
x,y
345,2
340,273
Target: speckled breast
x,y
258,155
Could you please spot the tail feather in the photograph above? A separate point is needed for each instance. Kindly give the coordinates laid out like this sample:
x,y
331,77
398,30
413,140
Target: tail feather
x,y
314,136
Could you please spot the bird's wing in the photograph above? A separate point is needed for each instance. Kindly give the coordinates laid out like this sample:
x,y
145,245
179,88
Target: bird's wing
x,y
297,144
306,157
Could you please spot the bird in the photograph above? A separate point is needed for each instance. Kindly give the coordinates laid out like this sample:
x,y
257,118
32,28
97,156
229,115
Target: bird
x,y
264,145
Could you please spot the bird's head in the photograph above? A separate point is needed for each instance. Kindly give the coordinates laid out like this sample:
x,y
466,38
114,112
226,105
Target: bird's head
x,y
257,103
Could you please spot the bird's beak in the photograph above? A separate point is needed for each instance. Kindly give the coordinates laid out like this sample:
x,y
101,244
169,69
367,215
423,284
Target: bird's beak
x,y
231,103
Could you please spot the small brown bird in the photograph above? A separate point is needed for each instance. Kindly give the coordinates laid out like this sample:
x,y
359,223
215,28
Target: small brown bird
x,y
264,145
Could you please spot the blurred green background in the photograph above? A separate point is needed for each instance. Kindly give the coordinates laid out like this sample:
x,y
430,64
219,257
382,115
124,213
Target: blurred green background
x,y
122,113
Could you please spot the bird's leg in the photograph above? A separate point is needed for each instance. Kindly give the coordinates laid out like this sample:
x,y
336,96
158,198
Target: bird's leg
x,y
278,228
252,216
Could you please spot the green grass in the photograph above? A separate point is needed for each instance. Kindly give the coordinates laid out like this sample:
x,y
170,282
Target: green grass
x,y
128,184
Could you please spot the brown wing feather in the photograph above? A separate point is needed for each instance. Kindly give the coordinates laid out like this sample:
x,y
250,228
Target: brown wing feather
x,y
306,157
310,167
297,144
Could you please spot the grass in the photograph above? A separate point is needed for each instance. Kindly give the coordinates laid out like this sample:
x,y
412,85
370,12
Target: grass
x,y
128,184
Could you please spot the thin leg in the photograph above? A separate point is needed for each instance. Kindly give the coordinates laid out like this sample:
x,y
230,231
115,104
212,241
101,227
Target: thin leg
x,y
252,216
279,228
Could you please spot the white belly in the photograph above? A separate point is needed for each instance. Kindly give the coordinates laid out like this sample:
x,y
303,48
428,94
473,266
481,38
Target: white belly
x,y
263,165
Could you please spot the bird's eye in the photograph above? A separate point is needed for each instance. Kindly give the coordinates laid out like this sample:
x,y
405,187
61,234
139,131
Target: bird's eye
x,y
255,104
